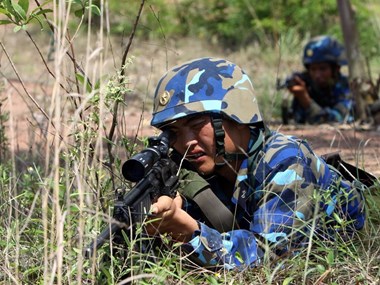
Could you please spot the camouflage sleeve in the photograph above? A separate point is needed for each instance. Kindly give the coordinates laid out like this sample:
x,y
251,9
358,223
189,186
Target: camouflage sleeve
x,y
237,248
297,190
337,113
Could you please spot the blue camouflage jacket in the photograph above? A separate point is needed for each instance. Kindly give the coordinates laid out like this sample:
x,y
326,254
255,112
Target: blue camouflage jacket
x,y
332,105
281,188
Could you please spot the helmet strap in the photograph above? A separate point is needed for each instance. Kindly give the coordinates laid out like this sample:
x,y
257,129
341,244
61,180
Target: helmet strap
x,y
217,123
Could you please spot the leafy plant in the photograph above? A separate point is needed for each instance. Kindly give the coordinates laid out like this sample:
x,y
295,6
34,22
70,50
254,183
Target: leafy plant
x,y
19,14
82,6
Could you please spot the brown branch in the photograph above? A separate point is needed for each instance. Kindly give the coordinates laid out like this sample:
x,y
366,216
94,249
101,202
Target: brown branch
x,y
43,60
52,28
116,104
75,71
124,59
23,85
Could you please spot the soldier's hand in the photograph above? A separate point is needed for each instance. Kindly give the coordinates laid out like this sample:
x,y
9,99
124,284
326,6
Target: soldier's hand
x,y
169,217
299,90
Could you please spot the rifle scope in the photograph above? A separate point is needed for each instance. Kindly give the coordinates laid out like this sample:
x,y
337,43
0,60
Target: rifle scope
x,y
135,168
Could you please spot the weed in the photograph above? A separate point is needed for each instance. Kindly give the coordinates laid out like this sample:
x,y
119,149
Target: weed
x,y
63,197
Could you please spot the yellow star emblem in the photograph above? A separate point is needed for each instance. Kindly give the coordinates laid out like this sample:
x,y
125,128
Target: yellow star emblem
x,y
164,98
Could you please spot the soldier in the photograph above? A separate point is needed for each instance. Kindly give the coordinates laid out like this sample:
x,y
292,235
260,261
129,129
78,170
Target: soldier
x,y
246,190
321,93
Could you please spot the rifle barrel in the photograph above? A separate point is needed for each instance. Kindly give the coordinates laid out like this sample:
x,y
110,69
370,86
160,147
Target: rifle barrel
x,y
100,240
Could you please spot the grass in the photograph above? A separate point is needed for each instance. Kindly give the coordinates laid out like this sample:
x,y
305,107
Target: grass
x,y
57,189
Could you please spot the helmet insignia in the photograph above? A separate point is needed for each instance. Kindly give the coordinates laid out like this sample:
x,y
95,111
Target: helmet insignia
x,y
164,98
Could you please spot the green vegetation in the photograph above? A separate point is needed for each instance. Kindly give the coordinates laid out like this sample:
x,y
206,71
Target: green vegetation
x,y
57,191
238,23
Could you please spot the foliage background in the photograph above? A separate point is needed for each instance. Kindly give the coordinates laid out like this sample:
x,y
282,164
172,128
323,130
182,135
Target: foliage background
x,y
65,61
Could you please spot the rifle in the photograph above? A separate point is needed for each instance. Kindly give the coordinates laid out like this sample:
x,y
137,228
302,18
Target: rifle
x,y
156,175
290,80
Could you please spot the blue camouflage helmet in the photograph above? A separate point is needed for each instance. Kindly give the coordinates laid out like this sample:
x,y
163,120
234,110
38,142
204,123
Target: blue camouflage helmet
x,y
324,49
205,85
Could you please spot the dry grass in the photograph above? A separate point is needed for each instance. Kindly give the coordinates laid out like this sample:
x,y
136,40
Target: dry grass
x,y
57,180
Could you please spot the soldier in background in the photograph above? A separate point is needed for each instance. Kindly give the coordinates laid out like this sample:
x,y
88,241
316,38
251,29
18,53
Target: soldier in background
x,y
321,94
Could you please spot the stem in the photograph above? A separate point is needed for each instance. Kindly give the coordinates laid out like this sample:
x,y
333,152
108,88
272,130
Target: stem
x,y
23,85
43,60
116,104
52,28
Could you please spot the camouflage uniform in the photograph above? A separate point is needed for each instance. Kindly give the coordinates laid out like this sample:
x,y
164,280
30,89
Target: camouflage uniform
x,y
278,192
281,187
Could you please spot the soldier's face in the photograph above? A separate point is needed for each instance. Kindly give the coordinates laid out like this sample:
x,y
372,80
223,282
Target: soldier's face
x,y
195,139
321,73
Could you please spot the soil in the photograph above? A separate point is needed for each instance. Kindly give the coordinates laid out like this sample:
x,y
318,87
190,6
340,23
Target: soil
x,y
358,147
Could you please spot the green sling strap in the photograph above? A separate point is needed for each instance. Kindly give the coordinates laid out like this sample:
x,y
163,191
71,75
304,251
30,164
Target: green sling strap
x,y
199,191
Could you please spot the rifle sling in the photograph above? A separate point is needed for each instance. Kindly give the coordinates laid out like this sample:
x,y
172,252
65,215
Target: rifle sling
x,y
221,218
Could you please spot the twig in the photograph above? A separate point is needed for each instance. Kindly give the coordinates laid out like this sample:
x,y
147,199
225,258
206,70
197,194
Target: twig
x,y
116,104
52,28
43,60
23,85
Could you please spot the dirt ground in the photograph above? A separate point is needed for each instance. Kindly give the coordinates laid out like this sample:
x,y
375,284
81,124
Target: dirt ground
x,y
358,147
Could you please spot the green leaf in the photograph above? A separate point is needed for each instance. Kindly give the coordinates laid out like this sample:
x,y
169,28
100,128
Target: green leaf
x,y
39,20
321,269
95,10
330,257
83,81
5,22
97,84
8,6
16,29
24,4
337,218
74,209
239,257
31,270
39,8
44,11
79,13
287,281
19,10
212,280
79,77
5,12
